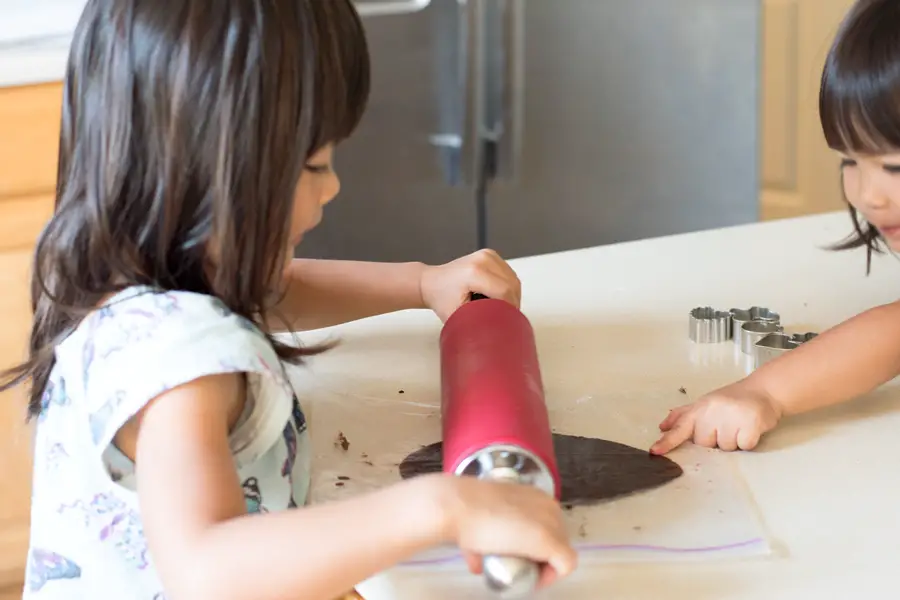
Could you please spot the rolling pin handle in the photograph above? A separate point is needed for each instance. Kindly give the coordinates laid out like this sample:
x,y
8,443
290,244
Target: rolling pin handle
x,y
510,576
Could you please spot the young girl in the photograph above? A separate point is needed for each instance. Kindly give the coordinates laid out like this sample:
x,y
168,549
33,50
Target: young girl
x,y
171,456
859,105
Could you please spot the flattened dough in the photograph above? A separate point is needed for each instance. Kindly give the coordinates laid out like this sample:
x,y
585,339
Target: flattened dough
x,y
591,470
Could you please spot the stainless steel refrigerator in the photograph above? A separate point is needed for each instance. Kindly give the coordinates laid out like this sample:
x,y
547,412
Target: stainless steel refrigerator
x,y
534,126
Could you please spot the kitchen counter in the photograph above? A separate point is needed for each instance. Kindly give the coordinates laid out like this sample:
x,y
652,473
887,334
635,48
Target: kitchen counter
x,y
613,320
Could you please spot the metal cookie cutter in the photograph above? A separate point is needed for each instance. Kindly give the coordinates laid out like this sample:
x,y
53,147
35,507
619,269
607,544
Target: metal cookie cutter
x,y
754,331
802,338
747,315
774,345
710,326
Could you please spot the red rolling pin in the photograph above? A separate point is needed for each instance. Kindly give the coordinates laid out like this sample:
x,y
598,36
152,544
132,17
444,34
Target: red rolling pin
x,y
494,418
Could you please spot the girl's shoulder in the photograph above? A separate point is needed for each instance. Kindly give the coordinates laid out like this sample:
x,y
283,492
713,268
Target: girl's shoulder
x,y
143,342
157,337
155,312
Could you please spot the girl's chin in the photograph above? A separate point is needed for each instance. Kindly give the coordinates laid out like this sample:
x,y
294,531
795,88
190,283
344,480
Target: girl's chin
x,y
288,257
891,237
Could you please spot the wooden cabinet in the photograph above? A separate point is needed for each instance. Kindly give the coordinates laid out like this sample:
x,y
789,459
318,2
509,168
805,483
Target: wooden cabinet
x,y
29,131
799,172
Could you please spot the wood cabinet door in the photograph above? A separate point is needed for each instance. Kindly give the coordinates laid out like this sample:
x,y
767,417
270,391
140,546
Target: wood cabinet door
x,y
29,122
15,437
800,174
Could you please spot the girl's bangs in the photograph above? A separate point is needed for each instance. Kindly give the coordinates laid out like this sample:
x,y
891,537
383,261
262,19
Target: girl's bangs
x,y
342,72
859,100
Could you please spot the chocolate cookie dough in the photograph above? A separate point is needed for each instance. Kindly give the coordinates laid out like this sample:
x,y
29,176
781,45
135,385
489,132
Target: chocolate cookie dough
x,y
591,470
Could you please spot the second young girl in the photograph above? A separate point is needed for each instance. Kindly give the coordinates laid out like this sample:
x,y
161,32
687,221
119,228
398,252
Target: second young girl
x,y
859,105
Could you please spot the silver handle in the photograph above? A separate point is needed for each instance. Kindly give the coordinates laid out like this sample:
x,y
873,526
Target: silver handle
x,y
390,7
510,576
504,84
480,75
457,32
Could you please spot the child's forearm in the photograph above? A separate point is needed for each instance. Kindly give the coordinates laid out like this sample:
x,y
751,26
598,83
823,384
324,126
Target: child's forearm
x,y
322,293
315,553
840,364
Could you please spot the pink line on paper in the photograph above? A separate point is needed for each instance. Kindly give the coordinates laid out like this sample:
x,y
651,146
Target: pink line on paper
x,y
613,547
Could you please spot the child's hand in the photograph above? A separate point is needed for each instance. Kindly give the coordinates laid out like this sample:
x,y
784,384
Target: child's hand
x,y
447,287
732,417
509,519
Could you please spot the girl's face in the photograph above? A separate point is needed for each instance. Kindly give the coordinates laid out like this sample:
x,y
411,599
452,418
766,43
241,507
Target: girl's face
x,y
872,186
318,186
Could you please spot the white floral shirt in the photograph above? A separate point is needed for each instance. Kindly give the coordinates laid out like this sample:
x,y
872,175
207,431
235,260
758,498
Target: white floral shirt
x,y
87,540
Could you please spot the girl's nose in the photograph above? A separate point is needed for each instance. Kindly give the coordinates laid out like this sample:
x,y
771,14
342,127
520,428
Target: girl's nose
x,y
871,193
330,189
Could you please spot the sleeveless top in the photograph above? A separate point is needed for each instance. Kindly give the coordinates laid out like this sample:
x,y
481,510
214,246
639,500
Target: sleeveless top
x,y
87,540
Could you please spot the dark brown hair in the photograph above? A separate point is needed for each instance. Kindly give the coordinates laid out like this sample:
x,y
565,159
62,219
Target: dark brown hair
x,y
185,126
859,96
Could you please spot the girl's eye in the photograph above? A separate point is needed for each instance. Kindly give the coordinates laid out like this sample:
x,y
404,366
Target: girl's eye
x,y
318,169
846,163
892,169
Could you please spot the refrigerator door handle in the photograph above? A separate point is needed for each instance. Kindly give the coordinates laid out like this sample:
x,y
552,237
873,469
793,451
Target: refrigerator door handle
x,y
390,7
457,26
505,83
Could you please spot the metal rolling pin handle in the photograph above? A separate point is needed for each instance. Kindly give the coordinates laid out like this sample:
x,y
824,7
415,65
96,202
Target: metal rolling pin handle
x,y
509,576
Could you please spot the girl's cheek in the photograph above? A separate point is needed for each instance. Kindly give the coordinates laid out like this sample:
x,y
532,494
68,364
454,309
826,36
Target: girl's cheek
x,y
851,186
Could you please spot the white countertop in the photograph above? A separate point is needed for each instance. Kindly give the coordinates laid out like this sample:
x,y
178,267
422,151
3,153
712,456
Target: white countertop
x,y
613,320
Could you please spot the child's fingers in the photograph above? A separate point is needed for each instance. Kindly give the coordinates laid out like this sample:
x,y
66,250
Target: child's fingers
x,y
473,562
748,438
563,561
548,576
726,438
673,417
677,434
502,269
705,435
493,286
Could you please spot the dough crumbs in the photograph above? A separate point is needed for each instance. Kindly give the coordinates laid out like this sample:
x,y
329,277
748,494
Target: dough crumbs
x,y
682,390
341,441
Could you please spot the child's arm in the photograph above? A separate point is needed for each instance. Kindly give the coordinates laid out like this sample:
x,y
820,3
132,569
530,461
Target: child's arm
x,y
322,293
205,546
840,364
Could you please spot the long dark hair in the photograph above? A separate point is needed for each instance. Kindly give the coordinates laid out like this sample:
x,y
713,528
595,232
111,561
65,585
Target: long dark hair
x,y
185,127
859,97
